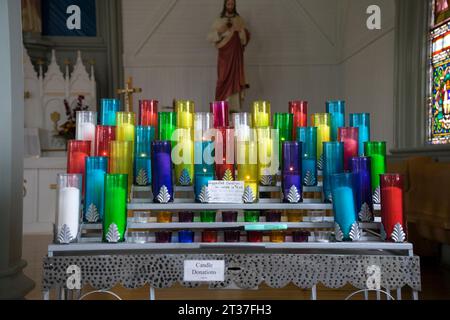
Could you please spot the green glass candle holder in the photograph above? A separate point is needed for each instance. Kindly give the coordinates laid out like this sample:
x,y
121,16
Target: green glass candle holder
x,y
283,122
167,124
376,150
208,216
251,216
115,219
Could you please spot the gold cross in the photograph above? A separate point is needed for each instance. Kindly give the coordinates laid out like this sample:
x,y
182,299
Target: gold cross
x,y
128,94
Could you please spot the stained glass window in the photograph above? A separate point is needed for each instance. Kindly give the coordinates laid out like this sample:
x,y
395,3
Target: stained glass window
x,y
439,108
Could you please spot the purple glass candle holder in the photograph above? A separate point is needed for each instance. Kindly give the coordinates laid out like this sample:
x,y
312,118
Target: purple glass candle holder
x,y
219,109
186,217
229,216
162,185
232,236
163,237
361,167
300,236
273,216
291,172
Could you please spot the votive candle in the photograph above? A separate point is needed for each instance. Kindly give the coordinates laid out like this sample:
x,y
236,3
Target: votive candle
x,y
255,236
186,217
322,121
125,127
77,152
283,122
185,114
85,128
268,159
121,160
247,164
142,155
224,154
115,219
94,204
337,111
183,157
361,167
251,216
344,202
300,111
208,216
161,169
148,113
308,137
362,122
164,217
219,109
377,152
209,236
291,170
103,136
261,114
277,236
392,207
109,108
186,236
232,235
167,124
333,164
349,137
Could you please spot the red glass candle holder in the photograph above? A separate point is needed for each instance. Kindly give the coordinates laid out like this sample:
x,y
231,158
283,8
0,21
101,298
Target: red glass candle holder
x,y
103,136
224,154
300,111
392,206
349,136
232,236
273,216
148,113
209,236
186,217
219,109
163,237
77,152
229,216
254,236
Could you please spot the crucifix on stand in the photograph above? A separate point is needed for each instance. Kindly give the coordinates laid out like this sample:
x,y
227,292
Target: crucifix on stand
x,y
128,92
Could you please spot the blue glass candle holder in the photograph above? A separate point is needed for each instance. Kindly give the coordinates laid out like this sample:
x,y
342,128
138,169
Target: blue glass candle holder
x,y
291,172
361,167
333,163
162,183
142,155
337,111
201,180
343,204
308,137
204,154
109,108
185,236
94,204
361,121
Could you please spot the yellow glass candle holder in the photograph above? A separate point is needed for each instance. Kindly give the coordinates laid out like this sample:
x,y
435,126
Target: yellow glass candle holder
x,y
277,236
164,217
125,126
323,123
121,160
295,217
183,157
261,114
185,114
268,160
247,164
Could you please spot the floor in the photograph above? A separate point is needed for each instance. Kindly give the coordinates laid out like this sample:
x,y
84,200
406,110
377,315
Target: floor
x,y
435,283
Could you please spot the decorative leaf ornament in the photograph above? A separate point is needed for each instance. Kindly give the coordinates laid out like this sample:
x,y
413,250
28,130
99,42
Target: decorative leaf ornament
x,y
376,198
309,179
164,195
338,234
267,180
92,215
64,235
320,163
365,214
330,198
248,196
185,178
383,234
142,177
113,235
398,235
204,196
355,232
228,175
293,195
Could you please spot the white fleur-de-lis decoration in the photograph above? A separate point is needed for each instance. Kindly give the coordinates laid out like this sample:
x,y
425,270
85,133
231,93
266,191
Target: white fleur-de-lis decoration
x,y
355,232
204,196
398,235
293,195
309,179
248,196
185,178
338,234
64,235
142,177
228,175
163,195
365,214
330,197
320,163
376,198
92,215
267,180
113,235
383,234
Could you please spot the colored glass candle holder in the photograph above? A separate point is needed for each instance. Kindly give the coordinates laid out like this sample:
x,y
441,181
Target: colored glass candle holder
x,y
229,216
115,219
337,111
268,159
361,167
203,143
295,217
85,127
224,154
392,206
377,152
108,110
308,137
255,236
283,122
163,237
242,123
208,216
77,152
247,164
125,126
148,113
291,170
201,181
232,236
349,137
143,156
333,164
219,109
167,124
186,217
121,160
103,136
277,236
300,236
209,236
69,188
273,216
164,217
251,216
261,114
185,114
186,236
322,121
96,169
362,122
299,109
344,203
162,186
183,157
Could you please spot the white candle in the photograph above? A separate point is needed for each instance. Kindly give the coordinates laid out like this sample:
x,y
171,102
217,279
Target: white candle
x,y
69,209
86,132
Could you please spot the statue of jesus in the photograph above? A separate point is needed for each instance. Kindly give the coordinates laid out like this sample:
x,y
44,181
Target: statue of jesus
x,y
230,36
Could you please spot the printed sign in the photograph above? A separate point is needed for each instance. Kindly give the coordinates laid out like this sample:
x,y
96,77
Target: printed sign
x,y
204,270
225,191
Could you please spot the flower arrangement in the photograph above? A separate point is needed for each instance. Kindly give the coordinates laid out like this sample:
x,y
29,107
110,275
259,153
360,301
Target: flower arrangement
x,y
67,130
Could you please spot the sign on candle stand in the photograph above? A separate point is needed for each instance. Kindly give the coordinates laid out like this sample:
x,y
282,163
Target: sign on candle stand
x,y
204,270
